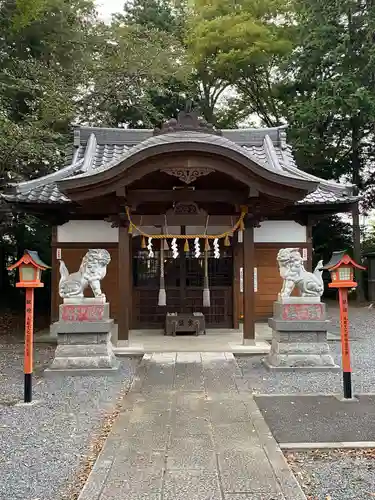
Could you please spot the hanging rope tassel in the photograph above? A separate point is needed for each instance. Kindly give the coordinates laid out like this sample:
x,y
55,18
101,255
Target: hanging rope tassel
x,y
174,248
240,231
186,246
165,244
143,242
207,245
227,241
162,301
130,229
206,289
150,249
197,248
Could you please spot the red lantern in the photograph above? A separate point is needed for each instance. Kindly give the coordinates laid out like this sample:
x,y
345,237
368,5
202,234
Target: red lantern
x,y
30,268
341,266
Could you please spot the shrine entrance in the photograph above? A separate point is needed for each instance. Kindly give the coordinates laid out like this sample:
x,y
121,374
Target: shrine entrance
x,y
184,284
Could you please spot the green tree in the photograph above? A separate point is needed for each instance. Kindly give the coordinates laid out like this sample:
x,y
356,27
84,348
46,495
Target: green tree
x,y
237,48
133,63
332,106
42,45
166,20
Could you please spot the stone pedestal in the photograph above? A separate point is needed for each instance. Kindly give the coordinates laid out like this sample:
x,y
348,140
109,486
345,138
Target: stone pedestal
x,y
84,342
299,336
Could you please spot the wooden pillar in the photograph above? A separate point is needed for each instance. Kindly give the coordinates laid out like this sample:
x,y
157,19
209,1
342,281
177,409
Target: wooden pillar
x,y
237,248
54,278
248,284
309,244
125,292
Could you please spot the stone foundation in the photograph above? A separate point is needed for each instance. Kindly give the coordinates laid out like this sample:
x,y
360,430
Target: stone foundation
x,y
299,337
84,342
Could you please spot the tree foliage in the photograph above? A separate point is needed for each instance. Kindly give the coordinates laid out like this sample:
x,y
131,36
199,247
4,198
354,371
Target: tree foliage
x,y
132,64
240,46
332,105
306,62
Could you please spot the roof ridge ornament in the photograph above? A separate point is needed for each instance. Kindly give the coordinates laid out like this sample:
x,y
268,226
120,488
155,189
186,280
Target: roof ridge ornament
x,y
187,120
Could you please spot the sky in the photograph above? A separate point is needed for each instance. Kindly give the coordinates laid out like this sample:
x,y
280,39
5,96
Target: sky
x,y
108,7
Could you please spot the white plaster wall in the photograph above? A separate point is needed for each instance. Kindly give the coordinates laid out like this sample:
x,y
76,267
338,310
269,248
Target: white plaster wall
x,y
87,231
283,231
210,229
280,231
95,231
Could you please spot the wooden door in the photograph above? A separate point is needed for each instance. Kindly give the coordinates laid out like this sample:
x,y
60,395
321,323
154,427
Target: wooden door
x,y
184,279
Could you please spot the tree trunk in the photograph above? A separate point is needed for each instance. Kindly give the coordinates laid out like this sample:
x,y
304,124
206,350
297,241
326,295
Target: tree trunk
x,y
4,275
356,179
357,252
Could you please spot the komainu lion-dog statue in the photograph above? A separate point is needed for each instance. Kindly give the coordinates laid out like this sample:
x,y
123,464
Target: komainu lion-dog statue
x,y
294,275
92,270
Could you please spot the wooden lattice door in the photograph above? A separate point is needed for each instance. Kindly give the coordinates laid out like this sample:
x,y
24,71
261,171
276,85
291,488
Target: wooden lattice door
x,y
184,280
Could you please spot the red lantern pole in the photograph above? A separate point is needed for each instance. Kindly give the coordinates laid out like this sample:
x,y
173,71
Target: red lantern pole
x,y
29,332
30,266
345,344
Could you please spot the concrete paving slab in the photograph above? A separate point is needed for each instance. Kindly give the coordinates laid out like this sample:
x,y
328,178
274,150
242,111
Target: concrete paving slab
x,y
192,485
191,452
188,425
180,439
224,411
217,340
131,457
132,484
189,376
240,436
299,419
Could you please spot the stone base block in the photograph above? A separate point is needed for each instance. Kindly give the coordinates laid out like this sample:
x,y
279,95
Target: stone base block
x,y
84,340
84,357
299,337
291,351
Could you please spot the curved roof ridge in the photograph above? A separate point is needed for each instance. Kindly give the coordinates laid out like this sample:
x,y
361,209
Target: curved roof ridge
x,y
271,153
60,174
255,129
191,136
88,158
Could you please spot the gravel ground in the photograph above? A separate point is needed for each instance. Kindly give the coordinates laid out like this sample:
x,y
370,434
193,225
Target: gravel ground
x,y
42,447
335,475
362,333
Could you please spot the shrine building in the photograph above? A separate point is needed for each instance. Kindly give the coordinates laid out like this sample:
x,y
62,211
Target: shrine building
x,y
193,218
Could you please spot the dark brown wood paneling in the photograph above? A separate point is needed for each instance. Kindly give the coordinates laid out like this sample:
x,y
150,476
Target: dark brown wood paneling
x,y
269,281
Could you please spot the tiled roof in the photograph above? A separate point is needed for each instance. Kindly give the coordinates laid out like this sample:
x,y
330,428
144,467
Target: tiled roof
x,y
98,149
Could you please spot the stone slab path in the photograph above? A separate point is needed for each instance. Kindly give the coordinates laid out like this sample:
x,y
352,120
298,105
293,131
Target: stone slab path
x,y
188,433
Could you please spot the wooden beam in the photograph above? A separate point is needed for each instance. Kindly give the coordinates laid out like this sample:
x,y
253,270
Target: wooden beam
x,y
138,196
248,284
123,283
184,220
